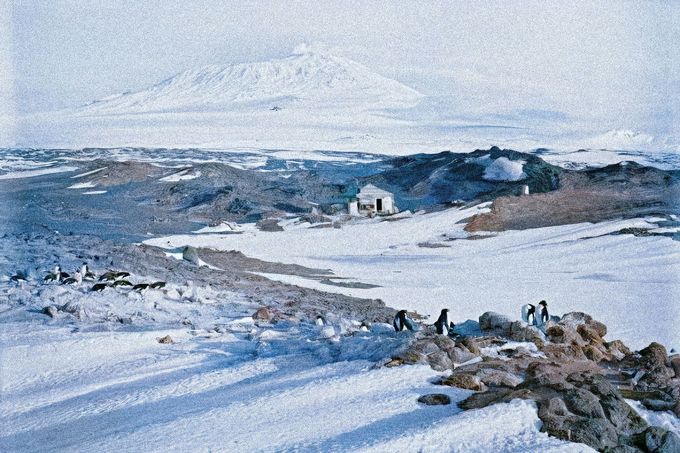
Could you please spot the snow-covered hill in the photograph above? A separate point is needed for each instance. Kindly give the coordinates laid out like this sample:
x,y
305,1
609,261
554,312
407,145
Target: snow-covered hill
x,y
307,77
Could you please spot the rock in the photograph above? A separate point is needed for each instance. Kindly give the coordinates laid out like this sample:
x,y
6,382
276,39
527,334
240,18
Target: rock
x,y
564,352
426,346
190,254
166,340
435,399
589,334
74,308
410,357
263,314
327,332
658,405
655,354
659,440
458,355
558,333
521,331
675,364
394,362
494,321
50,311
464,381
498,378
676,409
594,354
617,349
471,345
440,361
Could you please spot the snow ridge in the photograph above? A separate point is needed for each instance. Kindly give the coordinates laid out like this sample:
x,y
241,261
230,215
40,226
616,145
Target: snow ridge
x,y
308,76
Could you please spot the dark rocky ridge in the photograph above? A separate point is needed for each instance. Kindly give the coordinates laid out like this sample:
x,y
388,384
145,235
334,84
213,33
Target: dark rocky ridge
x,y
138,202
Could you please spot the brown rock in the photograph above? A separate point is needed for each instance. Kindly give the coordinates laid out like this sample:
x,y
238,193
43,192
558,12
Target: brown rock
x,y
435,399
617,349
498,378
589,334
464,381
166,340
471,345
458,355
494,321
655,354
594,354
263,314
675,364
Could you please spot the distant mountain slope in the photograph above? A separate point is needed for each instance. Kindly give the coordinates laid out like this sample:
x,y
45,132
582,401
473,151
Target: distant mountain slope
x,y
307,77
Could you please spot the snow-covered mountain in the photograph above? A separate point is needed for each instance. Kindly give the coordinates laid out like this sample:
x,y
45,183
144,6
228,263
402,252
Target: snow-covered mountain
x,y
306,77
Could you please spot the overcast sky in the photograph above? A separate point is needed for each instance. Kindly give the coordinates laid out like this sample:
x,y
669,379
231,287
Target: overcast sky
x,y
618,61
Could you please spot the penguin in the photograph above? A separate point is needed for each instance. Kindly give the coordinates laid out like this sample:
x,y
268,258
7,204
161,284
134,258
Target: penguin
x,y
99,287
320,321
118,283
157,285
19,277
114,275
442,324
140,286
529,311
77,279
402,321
544,311
86,274
57,275
451,327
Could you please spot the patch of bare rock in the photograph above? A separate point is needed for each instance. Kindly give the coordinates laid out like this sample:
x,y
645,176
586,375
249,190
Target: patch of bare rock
x,y
579,381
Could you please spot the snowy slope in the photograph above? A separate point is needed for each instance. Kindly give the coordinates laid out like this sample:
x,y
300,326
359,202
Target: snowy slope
x,y
629,283
305,77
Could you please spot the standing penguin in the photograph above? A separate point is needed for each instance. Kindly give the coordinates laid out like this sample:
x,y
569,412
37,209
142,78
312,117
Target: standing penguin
x,y
401,322
442,324
544,316
529,311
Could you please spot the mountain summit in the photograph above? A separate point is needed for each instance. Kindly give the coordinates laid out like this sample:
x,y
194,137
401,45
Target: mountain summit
x,y
308,77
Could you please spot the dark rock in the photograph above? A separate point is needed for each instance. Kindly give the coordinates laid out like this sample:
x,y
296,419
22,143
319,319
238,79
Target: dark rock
x,y
617,349
494,321
50,311
435,399
658,440
655,355
190,254
166,340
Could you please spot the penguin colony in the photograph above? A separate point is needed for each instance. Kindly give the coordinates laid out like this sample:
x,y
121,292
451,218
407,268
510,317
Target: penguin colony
x,y
442,325
109,279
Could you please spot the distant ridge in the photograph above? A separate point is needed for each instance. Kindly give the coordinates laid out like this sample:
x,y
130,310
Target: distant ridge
x,y
308,78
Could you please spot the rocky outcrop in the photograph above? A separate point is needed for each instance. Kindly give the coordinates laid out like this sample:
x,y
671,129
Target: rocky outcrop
x,y
579,381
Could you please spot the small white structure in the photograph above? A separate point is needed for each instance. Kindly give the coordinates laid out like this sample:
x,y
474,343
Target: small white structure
x,y
372,200
524,190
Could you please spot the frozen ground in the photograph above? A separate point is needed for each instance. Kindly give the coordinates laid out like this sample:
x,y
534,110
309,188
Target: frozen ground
x,y
246,388
424,263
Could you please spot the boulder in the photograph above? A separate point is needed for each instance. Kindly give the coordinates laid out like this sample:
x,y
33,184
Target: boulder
x,y
675,364
50,311
435,399
459,355
521,331
494,321
564,334
166,340
617,349
190,254
464,381
498,378
440,361
589,334
263,314
471,345
658,440
655,355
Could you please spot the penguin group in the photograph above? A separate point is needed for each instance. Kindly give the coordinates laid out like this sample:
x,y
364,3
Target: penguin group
x,y
109,279
529,315
442,326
